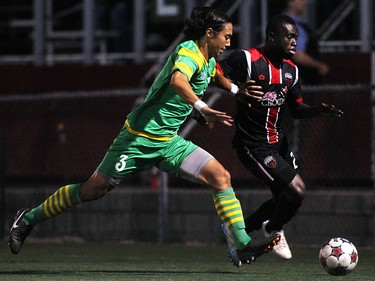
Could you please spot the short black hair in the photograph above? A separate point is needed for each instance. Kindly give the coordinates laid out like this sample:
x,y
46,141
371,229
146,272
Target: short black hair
x,y
275,23
202,18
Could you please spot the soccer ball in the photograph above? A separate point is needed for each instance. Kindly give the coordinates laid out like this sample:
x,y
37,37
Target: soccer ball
x,y
338,256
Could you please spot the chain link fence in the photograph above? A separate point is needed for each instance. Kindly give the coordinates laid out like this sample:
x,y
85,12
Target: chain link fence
x,y
61,137
332,152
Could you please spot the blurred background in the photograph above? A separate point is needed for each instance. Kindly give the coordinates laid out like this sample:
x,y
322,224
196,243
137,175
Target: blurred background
x,y
70,72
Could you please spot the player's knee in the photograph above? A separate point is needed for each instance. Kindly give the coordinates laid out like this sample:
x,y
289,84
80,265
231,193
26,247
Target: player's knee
x,y
91,192
297,189
221,179
300,191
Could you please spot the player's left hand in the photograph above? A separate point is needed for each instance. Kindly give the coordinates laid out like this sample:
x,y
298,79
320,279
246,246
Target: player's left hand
x,y
213,116
329,110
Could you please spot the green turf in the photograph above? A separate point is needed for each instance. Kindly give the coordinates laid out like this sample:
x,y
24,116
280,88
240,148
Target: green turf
x,y
112,261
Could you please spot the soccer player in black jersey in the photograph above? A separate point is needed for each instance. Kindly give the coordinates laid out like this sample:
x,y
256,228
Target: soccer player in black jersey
x,y
259,140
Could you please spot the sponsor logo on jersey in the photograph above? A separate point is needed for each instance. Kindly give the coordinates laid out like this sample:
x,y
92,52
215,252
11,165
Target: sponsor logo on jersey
x,y
270,162
273,99
261,77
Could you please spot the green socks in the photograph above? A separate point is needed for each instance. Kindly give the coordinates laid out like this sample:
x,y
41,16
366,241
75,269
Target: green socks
x,y
229,210
227,206
58,202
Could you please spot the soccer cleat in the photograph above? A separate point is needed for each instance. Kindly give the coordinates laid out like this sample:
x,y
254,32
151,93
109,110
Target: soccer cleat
x,y
18,232
231,245
255,248
282,248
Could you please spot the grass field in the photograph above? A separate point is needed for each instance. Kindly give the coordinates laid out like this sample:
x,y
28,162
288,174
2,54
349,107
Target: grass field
x,y
111,261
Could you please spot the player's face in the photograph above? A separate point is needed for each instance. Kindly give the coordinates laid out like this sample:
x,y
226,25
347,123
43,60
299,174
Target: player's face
x,y
287,40
220,40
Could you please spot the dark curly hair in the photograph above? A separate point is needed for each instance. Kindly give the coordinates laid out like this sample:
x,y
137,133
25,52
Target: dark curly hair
x,y
275,23
202,18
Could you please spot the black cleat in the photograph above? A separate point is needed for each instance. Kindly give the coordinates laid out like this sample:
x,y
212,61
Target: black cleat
x,y
255,249
18,232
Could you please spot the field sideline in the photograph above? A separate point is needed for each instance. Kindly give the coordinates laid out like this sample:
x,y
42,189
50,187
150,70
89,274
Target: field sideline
x,y
115,261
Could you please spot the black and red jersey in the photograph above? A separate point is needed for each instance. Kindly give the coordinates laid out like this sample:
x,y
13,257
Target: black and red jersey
x,y
261,123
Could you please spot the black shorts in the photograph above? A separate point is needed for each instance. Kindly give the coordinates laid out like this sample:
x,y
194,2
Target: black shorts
x,y
275,165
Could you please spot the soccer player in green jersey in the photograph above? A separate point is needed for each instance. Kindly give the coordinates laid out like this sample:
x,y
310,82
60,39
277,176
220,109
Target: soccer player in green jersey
x,y
149,138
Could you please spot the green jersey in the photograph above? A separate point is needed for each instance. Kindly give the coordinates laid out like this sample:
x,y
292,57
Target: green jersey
x,y
163,111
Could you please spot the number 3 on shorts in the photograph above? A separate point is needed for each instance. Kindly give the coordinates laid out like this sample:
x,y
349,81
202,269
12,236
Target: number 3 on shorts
x,y
120,166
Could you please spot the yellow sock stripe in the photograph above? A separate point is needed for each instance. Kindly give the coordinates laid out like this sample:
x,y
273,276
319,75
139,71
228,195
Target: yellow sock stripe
x,y
45,209
53,204
225,202
234,220
231,214
67,195
224,209
61,195
56,201
49,206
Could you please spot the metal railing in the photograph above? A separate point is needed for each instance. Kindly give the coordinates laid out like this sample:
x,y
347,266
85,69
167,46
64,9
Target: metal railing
x,y
89,45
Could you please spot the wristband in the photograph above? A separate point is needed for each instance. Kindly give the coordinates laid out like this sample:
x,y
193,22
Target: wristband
x,y
234,89
199,104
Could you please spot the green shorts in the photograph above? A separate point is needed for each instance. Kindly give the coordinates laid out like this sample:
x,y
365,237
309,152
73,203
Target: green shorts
x,y
130,154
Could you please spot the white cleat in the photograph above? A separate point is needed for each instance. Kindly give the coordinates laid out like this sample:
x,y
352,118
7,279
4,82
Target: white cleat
x,y
282,248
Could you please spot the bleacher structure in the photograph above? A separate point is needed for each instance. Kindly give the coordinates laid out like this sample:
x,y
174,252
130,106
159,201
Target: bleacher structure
x,y
48,32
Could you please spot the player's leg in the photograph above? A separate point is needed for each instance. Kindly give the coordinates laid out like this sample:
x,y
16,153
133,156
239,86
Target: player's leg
x,y
68,196
227,205
103,180
255,220
288,204
200,166
268,165
290,190
64,198
252,160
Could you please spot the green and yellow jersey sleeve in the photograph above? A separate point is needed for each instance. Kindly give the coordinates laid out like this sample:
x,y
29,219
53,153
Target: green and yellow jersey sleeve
x,y
164,111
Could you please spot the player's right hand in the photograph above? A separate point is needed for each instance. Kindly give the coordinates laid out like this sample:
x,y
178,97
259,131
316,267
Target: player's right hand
x,y
249,93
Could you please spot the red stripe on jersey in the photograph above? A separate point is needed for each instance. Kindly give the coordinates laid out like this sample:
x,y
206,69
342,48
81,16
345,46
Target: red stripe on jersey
x,y
255,54
218,67
273,113
290,62
299,100
272,117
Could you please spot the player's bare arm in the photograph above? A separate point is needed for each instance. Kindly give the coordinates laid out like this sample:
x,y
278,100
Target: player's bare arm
x,y
180,84
302,111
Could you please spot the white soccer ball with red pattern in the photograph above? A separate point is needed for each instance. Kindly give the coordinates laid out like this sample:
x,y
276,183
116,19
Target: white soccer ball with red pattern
x,y
338,256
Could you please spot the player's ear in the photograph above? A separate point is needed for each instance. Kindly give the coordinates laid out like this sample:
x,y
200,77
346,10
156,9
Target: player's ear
x,y
272,36
209,32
